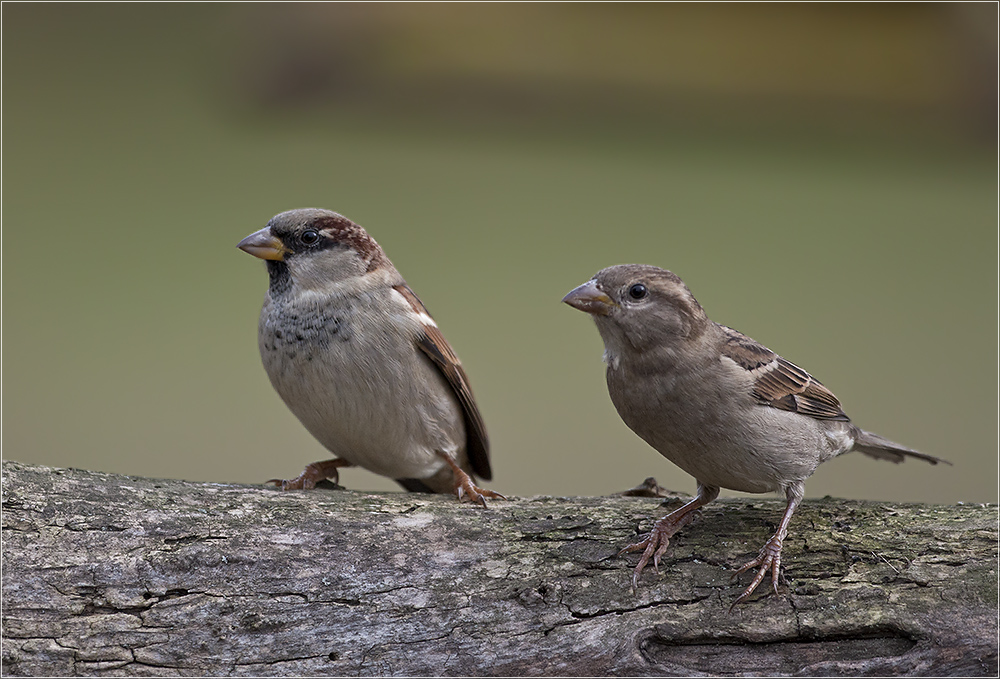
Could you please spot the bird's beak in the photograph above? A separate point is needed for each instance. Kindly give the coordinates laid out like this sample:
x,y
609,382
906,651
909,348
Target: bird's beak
x,y
264,244
588,298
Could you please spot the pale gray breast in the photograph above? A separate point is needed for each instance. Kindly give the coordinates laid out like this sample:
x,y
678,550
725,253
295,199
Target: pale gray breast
x,y
359,385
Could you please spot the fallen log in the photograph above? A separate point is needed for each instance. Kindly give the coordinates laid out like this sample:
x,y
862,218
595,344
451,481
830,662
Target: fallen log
x,y
120,576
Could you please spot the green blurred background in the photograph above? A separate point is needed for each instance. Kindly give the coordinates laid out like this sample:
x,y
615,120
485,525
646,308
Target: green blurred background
x,y
822,176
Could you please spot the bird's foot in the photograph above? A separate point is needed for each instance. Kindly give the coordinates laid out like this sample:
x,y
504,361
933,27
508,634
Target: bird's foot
x,y
769,559
312,474
656,542
464,485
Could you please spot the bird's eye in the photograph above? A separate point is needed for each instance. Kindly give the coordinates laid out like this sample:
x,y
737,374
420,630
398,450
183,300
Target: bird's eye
x,y
638,291
309,237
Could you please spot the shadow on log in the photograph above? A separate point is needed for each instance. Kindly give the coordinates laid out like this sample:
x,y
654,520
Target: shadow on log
x,y
122,576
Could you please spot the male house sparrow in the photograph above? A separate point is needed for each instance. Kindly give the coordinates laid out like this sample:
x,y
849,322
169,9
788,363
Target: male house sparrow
x,y
356,357
722,407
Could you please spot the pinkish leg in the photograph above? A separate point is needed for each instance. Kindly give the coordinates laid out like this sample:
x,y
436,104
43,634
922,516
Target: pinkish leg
x,y
655,543
769,559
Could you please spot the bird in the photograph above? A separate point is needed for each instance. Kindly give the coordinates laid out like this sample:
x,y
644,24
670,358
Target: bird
x,y
358,359
719,405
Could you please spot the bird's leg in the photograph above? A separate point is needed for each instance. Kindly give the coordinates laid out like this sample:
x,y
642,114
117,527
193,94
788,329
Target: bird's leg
x,y
769,558
655,543
313,474
464,484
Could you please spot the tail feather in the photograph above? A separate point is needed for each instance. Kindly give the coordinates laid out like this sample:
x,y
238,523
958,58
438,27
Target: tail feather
x,y
415,485
882,448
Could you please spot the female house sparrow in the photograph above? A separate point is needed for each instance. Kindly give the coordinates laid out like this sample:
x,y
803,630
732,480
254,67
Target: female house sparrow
x,y
356,357
722,407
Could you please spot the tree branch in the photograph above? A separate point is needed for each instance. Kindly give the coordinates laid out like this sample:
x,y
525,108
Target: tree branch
x,y
114,575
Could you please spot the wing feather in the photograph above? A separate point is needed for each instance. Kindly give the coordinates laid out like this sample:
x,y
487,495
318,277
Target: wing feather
x,y
779,383
433,343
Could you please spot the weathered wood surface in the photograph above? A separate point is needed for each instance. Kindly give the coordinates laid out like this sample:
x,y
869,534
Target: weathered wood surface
x,y
122,576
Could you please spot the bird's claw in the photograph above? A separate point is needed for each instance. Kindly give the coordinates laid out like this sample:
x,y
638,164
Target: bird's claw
x,y
313,474
465,487
769,559
464,484
653,545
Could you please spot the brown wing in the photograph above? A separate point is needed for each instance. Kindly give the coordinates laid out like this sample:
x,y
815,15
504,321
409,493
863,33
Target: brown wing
x,y
433,343
779,383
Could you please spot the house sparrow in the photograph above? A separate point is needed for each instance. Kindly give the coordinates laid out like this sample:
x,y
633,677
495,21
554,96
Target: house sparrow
x,y
722,407
359,360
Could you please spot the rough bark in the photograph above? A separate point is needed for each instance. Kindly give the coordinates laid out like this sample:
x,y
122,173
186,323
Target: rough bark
x,y
114,575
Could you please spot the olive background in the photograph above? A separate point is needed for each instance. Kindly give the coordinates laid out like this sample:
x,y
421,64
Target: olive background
x,y
823,177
